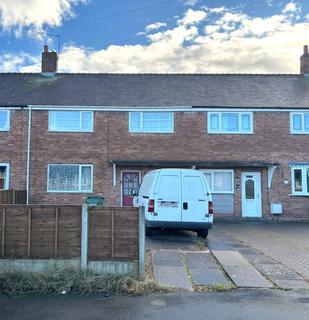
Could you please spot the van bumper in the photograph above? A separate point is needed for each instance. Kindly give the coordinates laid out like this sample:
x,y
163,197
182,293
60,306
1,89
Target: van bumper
x,y
179,225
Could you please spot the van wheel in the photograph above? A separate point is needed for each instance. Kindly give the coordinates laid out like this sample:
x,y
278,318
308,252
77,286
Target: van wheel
x,y
148,231
202,233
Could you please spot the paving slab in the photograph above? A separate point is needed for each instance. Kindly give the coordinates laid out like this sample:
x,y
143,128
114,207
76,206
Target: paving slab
x,y
209,277
166,258
169,270
204,269
242,273
200,260
292,284
278,272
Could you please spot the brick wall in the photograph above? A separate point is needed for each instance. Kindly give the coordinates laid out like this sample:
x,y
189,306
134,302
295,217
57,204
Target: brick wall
x,y
13,147
271,142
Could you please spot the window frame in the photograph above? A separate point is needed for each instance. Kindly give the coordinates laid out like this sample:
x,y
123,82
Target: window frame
x,y
302,131
304,184
212,172
221,131
80,121
8,118
80,166
142,130
7,177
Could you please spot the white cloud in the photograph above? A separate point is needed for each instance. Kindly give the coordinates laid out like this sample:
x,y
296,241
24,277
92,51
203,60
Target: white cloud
x,y
20,62
155,26
192,17
290,7
191,3
31,16
232,41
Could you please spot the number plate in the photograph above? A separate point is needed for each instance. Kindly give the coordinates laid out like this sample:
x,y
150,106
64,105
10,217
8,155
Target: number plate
x,y
168,204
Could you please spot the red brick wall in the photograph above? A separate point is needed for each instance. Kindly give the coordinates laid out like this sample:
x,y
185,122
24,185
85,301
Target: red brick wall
x,y
13,146
270,142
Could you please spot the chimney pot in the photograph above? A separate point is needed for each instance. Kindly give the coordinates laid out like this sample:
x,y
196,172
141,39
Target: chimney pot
x,y
304,62
49,62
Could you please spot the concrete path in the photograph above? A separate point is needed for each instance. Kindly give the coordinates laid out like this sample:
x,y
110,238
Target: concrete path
x,y
287,243
179,262
204,269
240,270
266,247
182,269
169,270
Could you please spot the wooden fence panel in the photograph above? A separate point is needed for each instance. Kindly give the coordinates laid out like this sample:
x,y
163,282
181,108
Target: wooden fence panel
x,y
99,235
47,232
126,234
113,233
40,232
16,232
69,232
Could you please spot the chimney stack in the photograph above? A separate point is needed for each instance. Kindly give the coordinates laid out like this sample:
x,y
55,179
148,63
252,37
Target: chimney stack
x,y
304,62
49,62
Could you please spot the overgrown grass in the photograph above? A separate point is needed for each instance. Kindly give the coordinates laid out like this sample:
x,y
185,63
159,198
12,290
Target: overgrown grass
x,y
219,287
73,282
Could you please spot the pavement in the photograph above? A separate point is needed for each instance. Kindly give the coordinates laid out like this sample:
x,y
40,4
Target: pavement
x,y
242,304
181,260
279,251
253,255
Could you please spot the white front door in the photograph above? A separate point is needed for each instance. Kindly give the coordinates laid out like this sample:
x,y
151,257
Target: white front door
x,y
251,194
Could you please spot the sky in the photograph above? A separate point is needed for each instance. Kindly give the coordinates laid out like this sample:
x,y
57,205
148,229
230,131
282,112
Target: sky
x,y
155,36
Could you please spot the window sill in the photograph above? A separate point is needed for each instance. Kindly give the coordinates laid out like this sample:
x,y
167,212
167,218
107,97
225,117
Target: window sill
x,y
51,191
298,195
222,192
232,133
65,131
153,132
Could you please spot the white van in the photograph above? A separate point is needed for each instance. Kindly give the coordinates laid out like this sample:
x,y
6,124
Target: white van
x,y
176,198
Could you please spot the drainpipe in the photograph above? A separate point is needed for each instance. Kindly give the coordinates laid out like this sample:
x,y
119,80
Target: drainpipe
x,y
28,155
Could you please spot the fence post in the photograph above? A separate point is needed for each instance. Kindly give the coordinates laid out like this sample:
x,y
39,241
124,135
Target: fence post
x,y
84,238
141,237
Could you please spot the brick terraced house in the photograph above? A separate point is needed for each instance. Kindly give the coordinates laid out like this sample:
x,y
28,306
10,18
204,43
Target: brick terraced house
x,y
64,137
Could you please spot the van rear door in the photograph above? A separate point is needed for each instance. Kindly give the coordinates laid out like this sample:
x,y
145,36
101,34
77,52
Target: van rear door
x,y
194,197
168,196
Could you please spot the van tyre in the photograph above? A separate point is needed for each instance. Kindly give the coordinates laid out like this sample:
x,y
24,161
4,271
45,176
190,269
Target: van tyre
x,y
202,233
148,231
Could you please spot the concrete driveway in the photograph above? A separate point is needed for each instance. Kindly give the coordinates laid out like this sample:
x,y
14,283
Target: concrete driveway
x,y
278,250
249,254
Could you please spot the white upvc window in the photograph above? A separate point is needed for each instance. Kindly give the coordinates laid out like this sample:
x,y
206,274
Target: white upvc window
x,y
71,121
4,120
300,180
4,176
299,122
220,181
151,122
70,178
230,122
